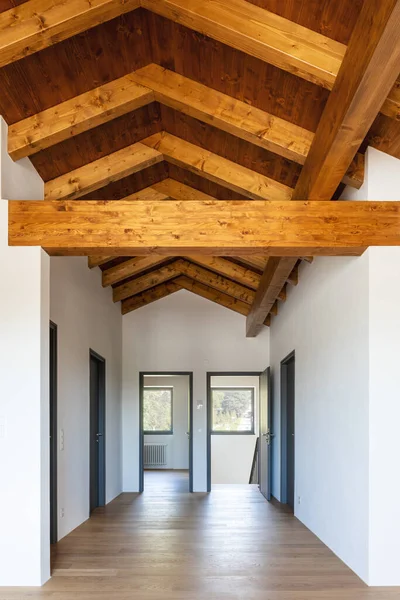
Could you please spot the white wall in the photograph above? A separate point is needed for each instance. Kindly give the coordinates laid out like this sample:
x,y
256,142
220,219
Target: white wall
x,y
86,319
232,455
24,394
384,472
177,443
325,320
182,332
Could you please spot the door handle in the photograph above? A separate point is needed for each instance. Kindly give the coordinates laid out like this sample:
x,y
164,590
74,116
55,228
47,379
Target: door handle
x,y
188,433
97,436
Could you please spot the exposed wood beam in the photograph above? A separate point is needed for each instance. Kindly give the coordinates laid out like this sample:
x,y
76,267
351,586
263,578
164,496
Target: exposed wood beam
x,y
96,260
273,279
235,228
293,278
214,295
254,261
140,284
151,295
151,83
180,191
369,70
76,115
260,33
149,193
99,173
217,169
235,117
222,284
227,268
131,267
37,24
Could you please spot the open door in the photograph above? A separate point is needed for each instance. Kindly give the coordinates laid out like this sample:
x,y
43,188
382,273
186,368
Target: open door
x,y
264,462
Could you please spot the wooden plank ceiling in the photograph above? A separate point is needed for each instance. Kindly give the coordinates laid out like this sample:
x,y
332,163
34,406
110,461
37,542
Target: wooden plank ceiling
x,y
161,100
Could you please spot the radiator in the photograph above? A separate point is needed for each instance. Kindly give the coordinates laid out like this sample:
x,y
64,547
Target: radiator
x,y
155,455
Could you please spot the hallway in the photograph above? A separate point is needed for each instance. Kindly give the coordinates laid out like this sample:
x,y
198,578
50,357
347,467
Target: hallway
x,y
169,544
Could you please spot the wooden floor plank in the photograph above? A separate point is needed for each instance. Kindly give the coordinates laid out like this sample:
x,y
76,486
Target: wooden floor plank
x,y
166,543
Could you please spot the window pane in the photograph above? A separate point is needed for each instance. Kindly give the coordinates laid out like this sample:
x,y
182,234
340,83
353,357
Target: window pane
x,y
157,409
232,410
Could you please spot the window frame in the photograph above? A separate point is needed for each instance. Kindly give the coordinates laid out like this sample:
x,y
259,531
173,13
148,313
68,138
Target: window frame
x,y
158,388
230,388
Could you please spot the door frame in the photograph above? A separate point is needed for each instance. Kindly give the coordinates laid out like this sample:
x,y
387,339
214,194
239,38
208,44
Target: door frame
x,y
102,419
53,428
142,375
209,375
283,370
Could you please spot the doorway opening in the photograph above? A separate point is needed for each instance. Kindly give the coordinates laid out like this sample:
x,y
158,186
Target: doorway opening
x,y
97,431
288,430
166,431
53,434
233,421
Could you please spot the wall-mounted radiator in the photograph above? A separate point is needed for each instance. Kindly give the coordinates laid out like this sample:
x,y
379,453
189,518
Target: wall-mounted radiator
x,y
155,455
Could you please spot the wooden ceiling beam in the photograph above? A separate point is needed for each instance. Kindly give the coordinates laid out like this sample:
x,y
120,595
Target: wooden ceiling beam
x,y
369,70
216,168
97,260
267,36
180,191
131,267
209,293
236,228
38,24
149,280
152,295
79,114
254,261
194,99
99,173
273,279
227,268
218,282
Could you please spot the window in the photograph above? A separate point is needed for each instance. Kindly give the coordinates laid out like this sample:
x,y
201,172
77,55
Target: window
x,y
157,410
232,410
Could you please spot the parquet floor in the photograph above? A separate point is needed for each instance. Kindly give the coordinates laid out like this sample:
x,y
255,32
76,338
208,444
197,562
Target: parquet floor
x,y
167,544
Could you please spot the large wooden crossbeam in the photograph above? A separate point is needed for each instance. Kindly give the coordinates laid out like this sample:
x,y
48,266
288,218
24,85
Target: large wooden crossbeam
x,y
217,227
369,69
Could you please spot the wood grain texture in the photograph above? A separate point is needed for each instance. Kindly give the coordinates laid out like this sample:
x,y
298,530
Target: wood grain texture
x,y
152,295
98,260
260,33
216,168
101,172
144,282
128,268
77,115
274,277
373,56
216,281
171,543
233,228
227,268
38,24
180,191
210,293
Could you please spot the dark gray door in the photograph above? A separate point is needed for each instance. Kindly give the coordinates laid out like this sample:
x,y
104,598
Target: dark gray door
x,y
265,463
290,470
53,433
97,431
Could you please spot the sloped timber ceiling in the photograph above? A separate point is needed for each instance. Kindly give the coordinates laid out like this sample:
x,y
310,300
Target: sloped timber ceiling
x,y
249,139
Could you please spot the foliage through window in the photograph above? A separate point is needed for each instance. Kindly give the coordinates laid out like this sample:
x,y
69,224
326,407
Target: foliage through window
x,y
157,410
232,410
